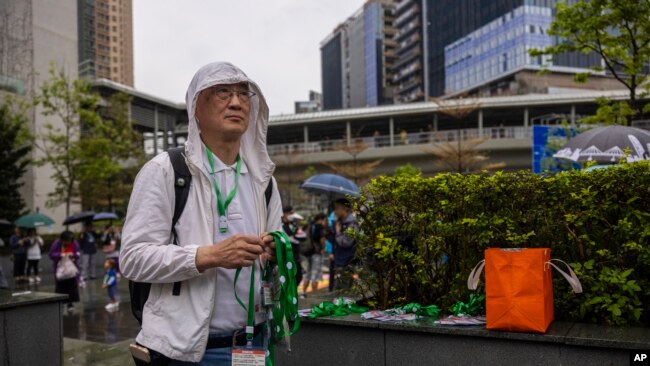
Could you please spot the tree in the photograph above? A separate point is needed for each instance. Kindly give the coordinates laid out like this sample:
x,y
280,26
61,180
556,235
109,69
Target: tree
x,y
355,169
616,30
112,153
15,148
463,156
73,104
407,171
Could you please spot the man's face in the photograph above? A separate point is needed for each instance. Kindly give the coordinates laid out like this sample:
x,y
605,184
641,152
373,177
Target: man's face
x,y
229,117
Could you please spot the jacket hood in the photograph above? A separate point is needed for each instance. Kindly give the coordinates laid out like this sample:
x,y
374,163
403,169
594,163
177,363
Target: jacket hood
x,y
253,142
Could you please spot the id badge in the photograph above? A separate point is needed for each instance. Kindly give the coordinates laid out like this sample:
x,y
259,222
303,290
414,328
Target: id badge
x,y
244,356
247,355
223,224
267,294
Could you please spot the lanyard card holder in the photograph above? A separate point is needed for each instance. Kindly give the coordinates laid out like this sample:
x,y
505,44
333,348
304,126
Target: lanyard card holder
x,y
247,355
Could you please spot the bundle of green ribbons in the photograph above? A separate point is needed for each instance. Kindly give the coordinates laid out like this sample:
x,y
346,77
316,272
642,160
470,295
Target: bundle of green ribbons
x,y
343,307
473,307
285,305
339,307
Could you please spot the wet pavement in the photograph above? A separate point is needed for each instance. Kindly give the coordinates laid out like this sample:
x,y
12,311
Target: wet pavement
x,y
94,336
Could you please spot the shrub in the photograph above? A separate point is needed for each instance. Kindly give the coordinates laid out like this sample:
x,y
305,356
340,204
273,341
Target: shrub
x,y
422,236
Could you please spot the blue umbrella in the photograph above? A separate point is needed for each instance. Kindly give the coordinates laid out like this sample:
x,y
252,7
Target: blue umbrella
x,y
330,184
105,216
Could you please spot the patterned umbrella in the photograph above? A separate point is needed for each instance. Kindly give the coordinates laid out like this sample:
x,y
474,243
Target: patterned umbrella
x,y
608,145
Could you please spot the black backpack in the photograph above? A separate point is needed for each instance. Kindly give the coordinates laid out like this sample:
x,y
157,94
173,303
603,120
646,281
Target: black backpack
x,y
139,291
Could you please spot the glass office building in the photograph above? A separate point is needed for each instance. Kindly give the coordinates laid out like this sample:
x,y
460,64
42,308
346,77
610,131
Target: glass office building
x,y
501,47
332,72
357,59
497,48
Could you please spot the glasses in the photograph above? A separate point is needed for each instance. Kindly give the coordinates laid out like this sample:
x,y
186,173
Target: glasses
x,y
225,94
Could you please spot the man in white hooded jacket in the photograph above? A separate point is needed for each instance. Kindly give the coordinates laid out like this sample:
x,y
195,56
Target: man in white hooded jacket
x,y
223,225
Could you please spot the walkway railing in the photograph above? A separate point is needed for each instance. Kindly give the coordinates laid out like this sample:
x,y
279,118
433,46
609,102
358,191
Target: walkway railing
x,y
417,138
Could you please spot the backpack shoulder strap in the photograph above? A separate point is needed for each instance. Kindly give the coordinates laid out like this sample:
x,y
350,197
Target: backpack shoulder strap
x,y
269,192
182,180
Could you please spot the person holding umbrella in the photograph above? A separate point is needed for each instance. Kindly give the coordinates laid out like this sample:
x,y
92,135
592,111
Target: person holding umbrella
x,y
19,243
88,241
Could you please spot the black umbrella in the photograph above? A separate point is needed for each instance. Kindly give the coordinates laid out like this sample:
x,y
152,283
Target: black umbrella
x,y
5,224
79,217
608,145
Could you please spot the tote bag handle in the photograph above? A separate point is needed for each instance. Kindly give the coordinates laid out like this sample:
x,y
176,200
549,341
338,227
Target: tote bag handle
x,y
574,282
475,275
570,277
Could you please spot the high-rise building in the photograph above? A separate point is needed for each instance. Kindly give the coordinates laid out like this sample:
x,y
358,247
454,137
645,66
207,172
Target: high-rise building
x,y
410,67
449,21
427,27
35,34
484,61
106,40
357,58
312,105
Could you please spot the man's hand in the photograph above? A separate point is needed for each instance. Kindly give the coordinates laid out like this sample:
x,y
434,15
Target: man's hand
x,y
269,247
236,251
338,227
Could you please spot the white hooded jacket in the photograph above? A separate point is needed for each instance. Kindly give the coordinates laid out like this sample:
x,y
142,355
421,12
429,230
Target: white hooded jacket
x,y
178,326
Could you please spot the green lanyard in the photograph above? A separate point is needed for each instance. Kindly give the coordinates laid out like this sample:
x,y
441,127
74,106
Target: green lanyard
x,y
221,205
285,309
250,310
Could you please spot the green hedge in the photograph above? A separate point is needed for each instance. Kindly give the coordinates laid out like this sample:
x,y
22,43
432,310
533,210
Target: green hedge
x,y
422,236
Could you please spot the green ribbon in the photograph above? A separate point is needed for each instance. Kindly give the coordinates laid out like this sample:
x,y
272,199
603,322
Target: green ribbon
x,y
473,307
415,308
221,205
286,307
339,307
250,310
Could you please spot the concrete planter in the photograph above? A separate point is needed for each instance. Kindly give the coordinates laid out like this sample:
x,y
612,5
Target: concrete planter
x,y
354,341
31,328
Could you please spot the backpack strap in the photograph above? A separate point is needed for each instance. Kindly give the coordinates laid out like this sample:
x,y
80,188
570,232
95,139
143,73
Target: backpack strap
x,y
182,180
269,192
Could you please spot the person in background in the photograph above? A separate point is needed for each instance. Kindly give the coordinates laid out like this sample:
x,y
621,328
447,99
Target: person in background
x,y
110,245
329,248
66,246
88,241
110,284
290,229
33,255
317,232
345,245
19,243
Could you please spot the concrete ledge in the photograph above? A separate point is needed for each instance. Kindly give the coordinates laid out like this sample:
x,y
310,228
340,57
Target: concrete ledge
x,y
354,341
31,328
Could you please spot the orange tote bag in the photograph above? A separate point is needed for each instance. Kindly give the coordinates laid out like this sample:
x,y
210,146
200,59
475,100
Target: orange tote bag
x,y
519,288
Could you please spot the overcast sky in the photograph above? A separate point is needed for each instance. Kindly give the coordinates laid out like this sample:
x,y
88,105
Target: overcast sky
x,y
276,42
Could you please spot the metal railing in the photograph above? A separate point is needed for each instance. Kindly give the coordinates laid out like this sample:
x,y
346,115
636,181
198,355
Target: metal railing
x,y
400,139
